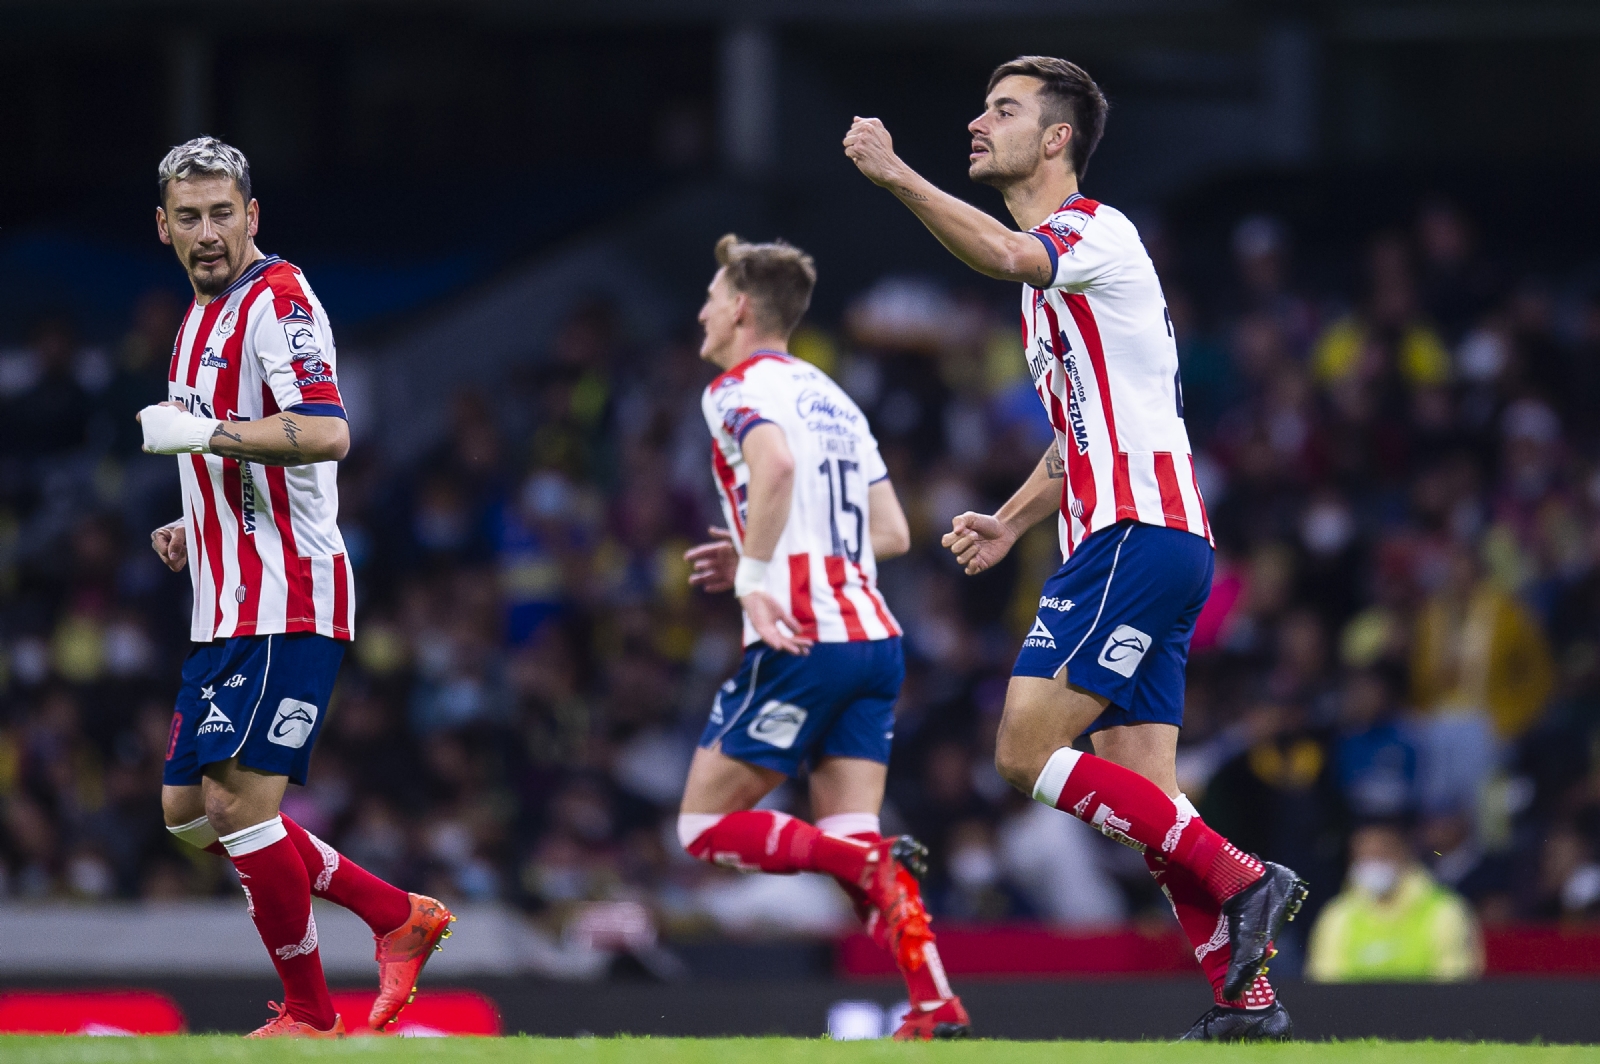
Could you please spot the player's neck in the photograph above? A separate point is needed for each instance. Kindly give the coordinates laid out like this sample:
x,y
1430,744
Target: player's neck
x,y
746,348
1039,195
252,255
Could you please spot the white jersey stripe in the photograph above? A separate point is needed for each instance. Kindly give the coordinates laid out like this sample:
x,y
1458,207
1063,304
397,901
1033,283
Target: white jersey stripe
x,y
322,593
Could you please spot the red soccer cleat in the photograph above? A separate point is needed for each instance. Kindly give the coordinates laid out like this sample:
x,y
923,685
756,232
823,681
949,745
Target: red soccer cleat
x,y
402,953
284,1025
935,1019
895,893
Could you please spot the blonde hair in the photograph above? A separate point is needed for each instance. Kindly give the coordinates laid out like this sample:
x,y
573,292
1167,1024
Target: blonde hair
x,y
778,277
204,155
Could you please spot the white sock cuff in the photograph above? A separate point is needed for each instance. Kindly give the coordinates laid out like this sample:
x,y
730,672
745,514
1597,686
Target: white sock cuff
x,y
847,824
257,837
1186,806
1047,788
692,825
197,833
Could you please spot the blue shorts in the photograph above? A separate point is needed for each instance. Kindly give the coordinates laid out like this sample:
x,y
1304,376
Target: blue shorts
x,y
259,698
1118,616
783,711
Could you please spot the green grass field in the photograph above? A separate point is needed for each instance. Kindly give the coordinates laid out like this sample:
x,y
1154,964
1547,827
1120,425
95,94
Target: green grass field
x,y
764,1051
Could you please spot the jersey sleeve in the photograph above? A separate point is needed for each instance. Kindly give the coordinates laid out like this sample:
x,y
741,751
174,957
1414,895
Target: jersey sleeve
x,y
736,407
1079,248
294,348
872,464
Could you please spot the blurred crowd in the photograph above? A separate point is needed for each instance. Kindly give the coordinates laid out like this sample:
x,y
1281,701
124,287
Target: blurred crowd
x,y
1403,634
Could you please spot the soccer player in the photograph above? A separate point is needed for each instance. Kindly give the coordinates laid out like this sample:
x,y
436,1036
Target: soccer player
x,y
809,508
1107,651
254,415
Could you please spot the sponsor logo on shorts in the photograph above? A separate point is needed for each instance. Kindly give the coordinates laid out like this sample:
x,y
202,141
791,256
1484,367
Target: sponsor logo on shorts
x,y
1125,648
716,709
1053,602
216,723
777,724
292,723
1040,636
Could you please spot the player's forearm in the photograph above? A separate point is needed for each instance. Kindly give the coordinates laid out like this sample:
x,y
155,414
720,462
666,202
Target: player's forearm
x,y
771,493
283,439
971,235
887,526
1038,498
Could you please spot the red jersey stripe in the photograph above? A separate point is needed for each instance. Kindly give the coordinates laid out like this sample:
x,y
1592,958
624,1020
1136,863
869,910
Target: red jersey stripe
x,y
1172,509
299,608
1121,486
879,607
1205,519
208,321
728,482
847,609
341,597
211,530
800,594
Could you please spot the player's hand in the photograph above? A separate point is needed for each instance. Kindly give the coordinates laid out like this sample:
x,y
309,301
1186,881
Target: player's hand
x,y
870,147
171,542
715,563
978,541
774,624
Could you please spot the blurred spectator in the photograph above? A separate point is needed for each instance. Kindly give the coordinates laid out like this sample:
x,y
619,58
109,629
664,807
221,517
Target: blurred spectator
x,y
1392,921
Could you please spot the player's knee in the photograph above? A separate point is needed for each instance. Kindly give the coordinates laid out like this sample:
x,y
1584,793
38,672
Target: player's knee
x,y
1015,763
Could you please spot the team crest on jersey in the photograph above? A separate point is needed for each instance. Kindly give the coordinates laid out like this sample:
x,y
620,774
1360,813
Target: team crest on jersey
x,y
225,325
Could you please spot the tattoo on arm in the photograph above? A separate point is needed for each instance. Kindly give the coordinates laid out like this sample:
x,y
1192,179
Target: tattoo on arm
x,y
910,194
291,430
1054,467
1041,277
222,433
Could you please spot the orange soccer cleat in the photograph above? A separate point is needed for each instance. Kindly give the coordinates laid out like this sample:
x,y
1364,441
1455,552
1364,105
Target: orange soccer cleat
x,y
284,1025
935,1020
402,953
895,893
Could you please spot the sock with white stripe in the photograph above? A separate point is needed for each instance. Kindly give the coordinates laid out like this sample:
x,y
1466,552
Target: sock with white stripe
x,y
278,891
1125,806
927,987
1200,916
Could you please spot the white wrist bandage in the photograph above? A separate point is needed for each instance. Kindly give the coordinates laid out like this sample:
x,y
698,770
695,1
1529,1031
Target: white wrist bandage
x,y
750,576
168,430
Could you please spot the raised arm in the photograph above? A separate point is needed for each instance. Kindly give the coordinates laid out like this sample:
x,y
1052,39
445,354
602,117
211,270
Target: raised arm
x,y
979,541
971,235
281,440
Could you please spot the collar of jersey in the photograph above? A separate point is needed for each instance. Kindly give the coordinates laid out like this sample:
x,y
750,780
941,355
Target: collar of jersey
x,y
247,276
1070,200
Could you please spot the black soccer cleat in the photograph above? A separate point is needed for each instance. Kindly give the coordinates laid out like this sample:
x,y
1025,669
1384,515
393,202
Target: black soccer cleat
x,y
912,855
1224,1023
1255,916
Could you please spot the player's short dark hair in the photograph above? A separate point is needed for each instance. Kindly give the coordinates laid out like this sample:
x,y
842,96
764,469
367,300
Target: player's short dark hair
x,y
1069,95
778,277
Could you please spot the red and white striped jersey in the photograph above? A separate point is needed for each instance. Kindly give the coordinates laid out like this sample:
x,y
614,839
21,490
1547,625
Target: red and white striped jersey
x,y
265,553
823,570
1101,351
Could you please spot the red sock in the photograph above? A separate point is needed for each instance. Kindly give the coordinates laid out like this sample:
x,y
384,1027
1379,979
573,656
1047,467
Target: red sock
x,y
1200,916
928,984
279,892
1129,808
764,841
343,882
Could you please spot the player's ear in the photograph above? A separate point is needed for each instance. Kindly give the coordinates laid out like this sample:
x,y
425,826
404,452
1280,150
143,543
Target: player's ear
x,y
1059,137
252,212
161,226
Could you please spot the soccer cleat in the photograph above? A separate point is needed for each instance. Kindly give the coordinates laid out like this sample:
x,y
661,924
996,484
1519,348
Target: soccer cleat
x,y
402,953
1255,916
284,1025
1224,1023
945,1019
895,893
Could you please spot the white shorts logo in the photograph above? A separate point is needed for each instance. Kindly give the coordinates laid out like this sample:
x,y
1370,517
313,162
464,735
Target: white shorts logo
x,y
1040,636
1125,648
292,724
778,724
